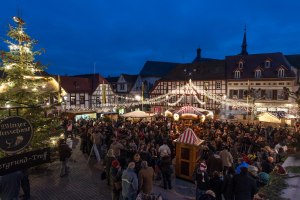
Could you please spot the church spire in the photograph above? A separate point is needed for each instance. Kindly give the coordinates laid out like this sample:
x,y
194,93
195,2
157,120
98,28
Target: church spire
x,y
244,45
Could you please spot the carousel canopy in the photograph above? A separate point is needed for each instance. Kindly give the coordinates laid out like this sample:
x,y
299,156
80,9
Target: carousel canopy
x,y
189,137
193,110
138,114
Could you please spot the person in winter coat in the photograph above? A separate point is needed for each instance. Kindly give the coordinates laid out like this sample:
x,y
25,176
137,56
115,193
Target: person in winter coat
x,y
208,195
200,177
146,176
110,157
215,184
244,187
129,183
10,185
64,154
166,170
116,179
214,163
228,184
227,160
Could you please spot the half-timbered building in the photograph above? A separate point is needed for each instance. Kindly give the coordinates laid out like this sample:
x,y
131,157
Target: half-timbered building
x,y
203,75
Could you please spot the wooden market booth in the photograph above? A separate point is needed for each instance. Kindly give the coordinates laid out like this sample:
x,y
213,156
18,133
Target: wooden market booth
x,y
188,147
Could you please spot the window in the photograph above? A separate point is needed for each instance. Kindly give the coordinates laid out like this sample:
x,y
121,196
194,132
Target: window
x,y
237,74
122,86
73,99
267,64
281,73
218,85
257,73
82,99
206,85
241,64
97,100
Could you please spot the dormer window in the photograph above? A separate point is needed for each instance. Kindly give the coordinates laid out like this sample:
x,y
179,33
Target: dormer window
x,y
257,73
237,74
280,72
241,64
267,64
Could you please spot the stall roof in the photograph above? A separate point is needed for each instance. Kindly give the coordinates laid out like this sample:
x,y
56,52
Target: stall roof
x,y
189,137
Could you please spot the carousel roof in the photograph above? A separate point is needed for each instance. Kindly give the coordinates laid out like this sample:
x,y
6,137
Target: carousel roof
x,y
189,110
189,137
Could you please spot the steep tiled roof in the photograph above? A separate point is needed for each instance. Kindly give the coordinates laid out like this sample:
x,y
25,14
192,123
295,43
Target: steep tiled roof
x,y
130,79
74,84
205,70
156,68
95,79
252,61
294,60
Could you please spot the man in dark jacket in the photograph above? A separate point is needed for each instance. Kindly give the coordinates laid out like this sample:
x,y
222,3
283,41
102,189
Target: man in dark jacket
x,y
201,179
244,187
64,154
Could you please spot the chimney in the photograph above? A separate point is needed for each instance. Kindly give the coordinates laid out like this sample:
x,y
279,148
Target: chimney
x,y
198,53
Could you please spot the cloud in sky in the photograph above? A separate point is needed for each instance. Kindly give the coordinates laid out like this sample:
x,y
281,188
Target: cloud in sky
x,y
120,36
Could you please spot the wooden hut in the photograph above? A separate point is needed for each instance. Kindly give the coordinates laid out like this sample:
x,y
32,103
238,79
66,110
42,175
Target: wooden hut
x,y
188,147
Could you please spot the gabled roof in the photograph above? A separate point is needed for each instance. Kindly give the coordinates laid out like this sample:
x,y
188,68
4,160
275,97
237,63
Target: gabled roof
x,y
96,79
130,78
156,68
73,84
294,60
205,70
252,61
112,79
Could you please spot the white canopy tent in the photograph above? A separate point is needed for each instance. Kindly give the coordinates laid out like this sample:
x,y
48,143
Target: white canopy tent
x,y
138,114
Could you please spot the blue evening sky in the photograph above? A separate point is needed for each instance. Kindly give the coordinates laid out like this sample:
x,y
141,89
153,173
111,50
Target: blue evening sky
x,y
119,36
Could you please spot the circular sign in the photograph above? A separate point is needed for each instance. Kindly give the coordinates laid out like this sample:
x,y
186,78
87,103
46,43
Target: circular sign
x,y
15,134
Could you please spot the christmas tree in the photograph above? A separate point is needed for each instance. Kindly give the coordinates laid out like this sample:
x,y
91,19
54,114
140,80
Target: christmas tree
x,y
25,88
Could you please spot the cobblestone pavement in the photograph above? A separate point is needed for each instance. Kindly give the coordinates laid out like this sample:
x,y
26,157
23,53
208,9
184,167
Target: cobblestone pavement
x,y
84,182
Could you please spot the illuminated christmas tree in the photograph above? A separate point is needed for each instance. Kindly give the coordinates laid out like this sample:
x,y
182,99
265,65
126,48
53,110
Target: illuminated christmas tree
x,y
25,89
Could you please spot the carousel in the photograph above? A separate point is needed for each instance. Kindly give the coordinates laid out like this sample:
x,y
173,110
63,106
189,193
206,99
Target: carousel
x,y
189,113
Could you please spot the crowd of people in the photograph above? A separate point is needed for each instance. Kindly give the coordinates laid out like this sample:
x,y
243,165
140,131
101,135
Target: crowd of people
x,y
234,162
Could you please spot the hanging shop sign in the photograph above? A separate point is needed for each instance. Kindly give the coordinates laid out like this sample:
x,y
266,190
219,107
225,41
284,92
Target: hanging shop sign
x,y
15,134
22,161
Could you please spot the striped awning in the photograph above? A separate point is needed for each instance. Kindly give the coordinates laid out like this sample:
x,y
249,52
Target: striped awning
x,y
189,110
189,137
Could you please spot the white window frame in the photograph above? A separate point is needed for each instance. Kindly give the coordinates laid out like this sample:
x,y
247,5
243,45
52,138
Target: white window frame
x,y
280,72
218,85
257,73
241,64
267,64
237,74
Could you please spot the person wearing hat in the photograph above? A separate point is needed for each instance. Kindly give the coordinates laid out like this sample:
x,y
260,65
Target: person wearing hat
x,y
116,180
201,179
263,179
208,195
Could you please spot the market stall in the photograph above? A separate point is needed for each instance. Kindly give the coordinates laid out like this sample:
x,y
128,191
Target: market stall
x,y
188,147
